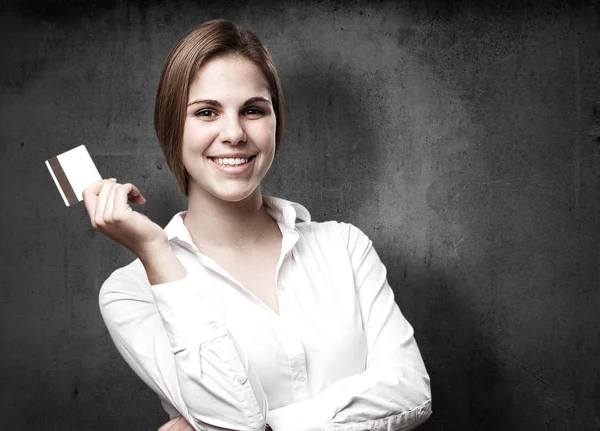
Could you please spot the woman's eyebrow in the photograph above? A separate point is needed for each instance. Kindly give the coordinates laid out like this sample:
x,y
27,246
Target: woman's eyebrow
x,y
214,103
217,104
256,99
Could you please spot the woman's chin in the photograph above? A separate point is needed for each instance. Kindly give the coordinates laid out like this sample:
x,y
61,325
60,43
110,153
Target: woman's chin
x,y
231,194
234,196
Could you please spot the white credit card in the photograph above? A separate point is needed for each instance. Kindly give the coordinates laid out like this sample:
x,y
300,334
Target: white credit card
x,y
73,172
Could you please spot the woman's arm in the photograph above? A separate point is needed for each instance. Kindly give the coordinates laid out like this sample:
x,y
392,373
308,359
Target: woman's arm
x,y
174,337
167,325
393,393
176,424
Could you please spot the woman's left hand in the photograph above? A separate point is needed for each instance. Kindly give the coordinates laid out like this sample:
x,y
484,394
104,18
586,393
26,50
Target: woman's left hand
x,y
176,424
180,424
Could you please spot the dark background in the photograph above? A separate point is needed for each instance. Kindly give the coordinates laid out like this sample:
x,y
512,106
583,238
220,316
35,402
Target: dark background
x,y
462,137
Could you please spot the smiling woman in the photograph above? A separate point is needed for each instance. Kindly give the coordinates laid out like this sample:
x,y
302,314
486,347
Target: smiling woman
x,y
213,39
242,312
229,119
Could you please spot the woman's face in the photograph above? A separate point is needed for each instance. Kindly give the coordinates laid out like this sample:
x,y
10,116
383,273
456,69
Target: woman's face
x,y
229,133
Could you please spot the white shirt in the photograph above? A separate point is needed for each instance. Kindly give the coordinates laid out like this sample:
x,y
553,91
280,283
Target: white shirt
x,y
339,356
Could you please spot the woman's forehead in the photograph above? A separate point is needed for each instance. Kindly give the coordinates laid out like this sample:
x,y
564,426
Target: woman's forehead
x,y
231,77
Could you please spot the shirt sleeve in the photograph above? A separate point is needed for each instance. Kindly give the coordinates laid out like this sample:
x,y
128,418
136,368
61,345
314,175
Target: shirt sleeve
x,y
393,393
174,337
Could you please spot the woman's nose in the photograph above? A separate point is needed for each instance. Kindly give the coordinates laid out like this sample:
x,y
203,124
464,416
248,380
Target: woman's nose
x,y
232,131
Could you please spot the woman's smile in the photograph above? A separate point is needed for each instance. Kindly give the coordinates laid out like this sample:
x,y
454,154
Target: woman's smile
x,y
230,123
233,165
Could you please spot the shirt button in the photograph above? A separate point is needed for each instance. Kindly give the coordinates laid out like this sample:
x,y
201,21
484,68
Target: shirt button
x,y
214,325
281,287
301,378
241,379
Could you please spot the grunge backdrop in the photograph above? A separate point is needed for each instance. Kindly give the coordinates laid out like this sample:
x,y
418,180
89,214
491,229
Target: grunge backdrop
x,y
462,137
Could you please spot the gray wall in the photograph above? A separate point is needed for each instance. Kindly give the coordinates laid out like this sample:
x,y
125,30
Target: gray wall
x,y
463,138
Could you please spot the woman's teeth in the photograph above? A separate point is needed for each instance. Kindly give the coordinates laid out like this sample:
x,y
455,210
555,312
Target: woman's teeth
x,y
232,162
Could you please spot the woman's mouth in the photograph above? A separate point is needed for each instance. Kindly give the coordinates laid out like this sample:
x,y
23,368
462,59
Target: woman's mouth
x,y
232,164
231,161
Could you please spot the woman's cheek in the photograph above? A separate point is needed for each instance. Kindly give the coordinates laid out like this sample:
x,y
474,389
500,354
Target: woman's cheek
x,y
269,131
197,136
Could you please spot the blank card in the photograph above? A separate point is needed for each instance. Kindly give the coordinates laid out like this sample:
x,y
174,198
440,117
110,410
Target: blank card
x,y
73,172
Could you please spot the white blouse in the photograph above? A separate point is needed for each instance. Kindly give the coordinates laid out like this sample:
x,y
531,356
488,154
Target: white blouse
x,y
339,356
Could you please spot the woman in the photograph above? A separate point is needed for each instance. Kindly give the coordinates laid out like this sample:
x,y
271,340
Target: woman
x,y
242,311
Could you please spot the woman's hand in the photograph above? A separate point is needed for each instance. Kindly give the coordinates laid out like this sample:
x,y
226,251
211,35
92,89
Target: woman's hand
x,y
176,424
107,205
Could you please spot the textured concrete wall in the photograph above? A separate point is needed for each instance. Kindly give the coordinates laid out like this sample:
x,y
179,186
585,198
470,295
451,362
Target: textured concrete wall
x,y
463,138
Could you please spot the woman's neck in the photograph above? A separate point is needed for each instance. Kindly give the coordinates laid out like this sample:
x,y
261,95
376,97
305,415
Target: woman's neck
x,y
213,222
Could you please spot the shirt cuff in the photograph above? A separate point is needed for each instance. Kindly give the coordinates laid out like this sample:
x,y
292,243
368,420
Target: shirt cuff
x,y
400,422
295,418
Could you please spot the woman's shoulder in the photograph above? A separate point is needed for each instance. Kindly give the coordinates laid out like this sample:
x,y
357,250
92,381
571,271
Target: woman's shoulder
x,y
333,230
323,227
286,211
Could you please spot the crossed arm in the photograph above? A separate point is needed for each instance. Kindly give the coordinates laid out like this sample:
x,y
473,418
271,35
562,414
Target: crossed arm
x,y
392,393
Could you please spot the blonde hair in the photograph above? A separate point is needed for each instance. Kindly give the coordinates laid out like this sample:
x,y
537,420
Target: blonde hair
x,y
209,40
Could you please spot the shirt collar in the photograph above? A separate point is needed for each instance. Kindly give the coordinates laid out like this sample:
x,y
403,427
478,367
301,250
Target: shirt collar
x,y
282,211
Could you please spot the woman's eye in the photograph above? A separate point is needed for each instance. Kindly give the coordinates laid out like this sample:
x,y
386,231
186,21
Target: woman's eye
x,y
253,111
205,113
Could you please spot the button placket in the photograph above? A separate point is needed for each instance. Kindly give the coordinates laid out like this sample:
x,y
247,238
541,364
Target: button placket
x,y
297,360
241,379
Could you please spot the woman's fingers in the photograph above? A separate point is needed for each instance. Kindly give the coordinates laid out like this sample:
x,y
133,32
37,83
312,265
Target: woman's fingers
x,y
108,209
177,424
172,423
101,203
122,195
90,197
135,196
107,203
139,199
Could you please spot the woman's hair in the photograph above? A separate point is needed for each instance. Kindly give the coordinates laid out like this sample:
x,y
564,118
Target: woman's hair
x,y
207,41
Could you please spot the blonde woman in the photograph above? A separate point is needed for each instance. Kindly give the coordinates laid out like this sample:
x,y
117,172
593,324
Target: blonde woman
x,y
243,314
